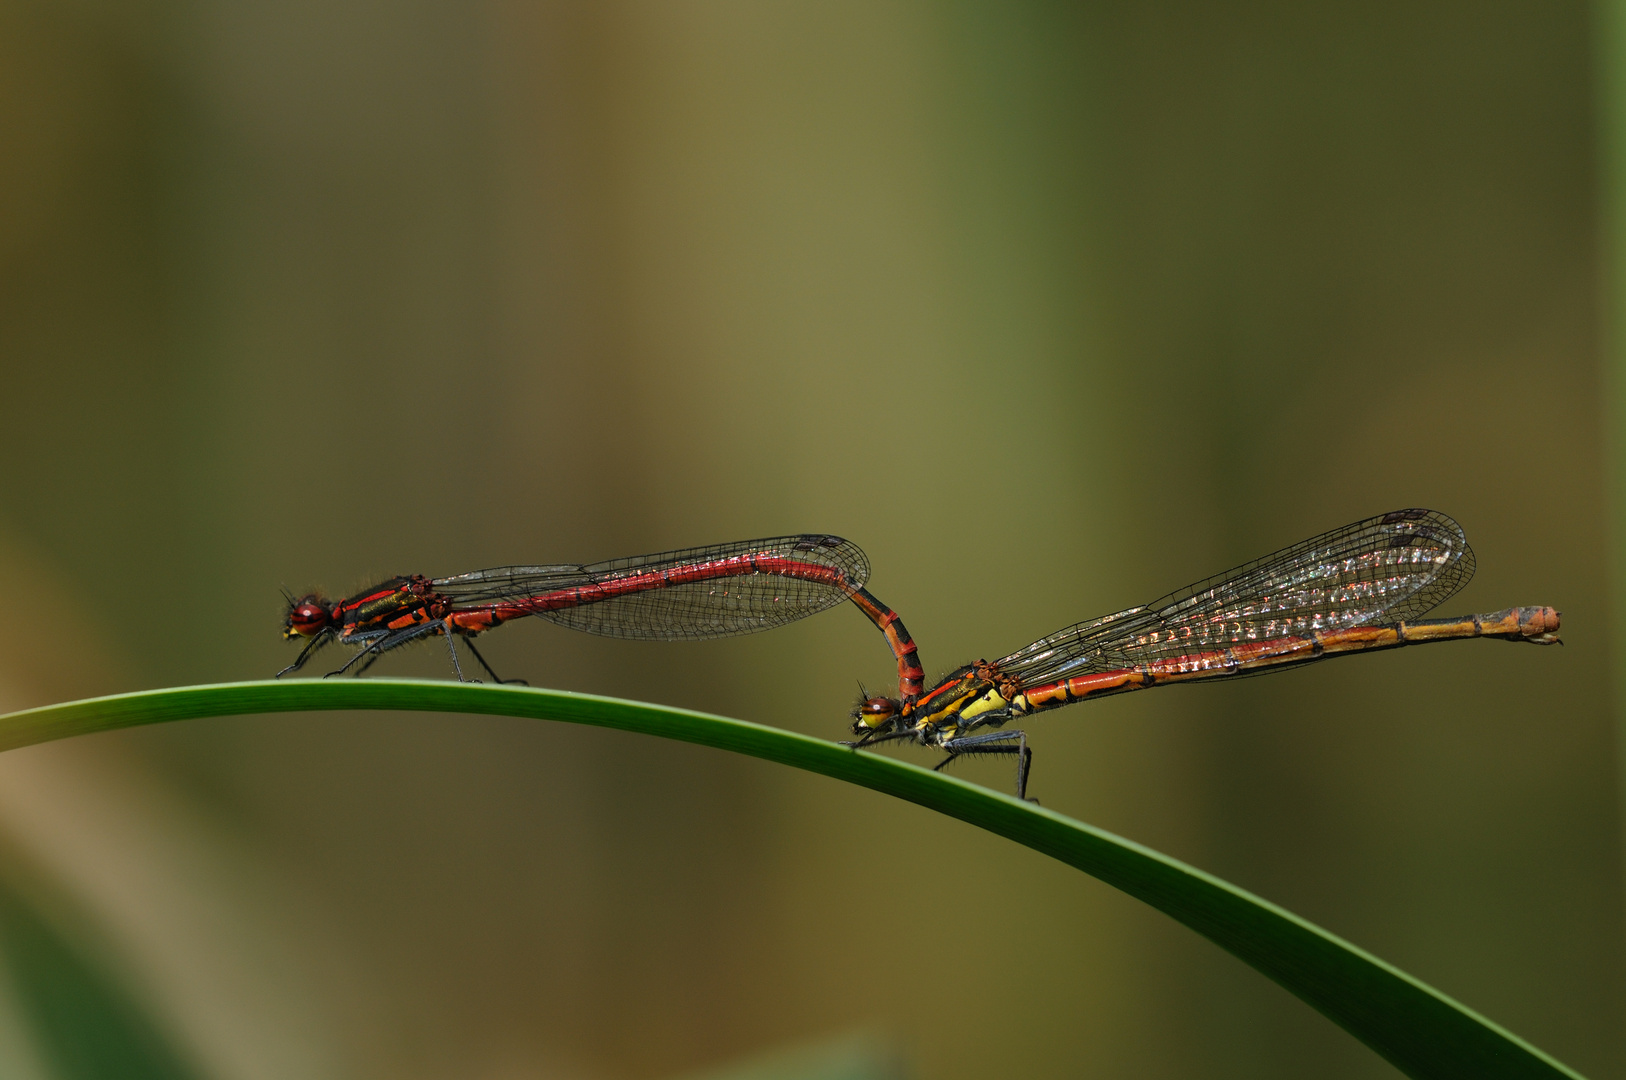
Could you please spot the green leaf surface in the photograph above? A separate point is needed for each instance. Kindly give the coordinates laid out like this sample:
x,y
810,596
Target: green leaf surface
x,y
1421,1031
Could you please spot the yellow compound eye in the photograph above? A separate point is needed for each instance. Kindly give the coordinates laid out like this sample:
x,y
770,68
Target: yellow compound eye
x,y
873,713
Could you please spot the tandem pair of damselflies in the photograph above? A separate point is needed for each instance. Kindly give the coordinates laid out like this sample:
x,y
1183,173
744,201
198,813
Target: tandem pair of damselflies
x,y
1357,589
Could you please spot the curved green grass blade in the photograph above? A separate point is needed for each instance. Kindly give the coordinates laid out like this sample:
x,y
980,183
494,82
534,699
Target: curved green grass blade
x,y
1421,1031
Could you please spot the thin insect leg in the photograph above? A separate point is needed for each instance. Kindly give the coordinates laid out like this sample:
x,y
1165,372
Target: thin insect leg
x,y
994,742
304,654
874,737
469,641
362,670
378,647
374,648
452,648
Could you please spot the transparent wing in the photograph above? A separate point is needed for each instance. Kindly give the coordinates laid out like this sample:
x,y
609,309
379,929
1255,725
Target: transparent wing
x,y
703,592
1385,569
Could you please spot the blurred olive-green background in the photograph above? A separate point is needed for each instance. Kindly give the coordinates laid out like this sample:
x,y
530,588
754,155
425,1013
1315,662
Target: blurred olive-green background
x,y
1052,309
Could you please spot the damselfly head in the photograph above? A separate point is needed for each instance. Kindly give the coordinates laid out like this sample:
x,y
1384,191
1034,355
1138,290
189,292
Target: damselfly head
x,y
873,713
307,617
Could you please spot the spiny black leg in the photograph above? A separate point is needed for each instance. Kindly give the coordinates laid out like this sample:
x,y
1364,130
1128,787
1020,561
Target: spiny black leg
x,y
505,682
452,648
997,742
304,654
872,738
374,648
379,646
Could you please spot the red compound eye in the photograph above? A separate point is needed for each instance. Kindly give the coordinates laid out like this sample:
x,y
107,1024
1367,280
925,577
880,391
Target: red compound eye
x,y
308,617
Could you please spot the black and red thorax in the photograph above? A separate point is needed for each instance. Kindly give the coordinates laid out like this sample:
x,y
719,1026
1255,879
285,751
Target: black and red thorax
x,y
396,604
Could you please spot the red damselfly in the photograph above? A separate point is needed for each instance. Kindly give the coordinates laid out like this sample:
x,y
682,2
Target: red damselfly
x,y
703,592
1356,589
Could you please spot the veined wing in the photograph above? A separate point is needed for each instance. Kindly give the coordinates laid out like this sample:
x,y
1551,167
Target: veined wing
x,y
1385,569
703,592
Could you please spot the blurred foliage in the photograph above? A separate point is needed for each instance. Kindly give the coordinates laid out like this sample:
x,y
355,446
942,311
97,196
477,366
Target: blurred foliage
x,y
80,1022
1051,309
847,1058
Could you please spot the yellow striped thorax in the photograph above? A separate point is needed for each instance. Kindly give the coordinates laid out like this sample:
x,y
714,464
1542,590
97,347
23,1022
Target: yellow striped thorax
x,y
965,700
989,707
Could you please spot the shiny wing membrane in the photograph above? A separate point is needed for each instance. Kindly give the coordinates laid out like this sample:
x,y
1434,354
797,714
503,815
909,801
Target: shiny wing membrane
x,y
703,592
1382,570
